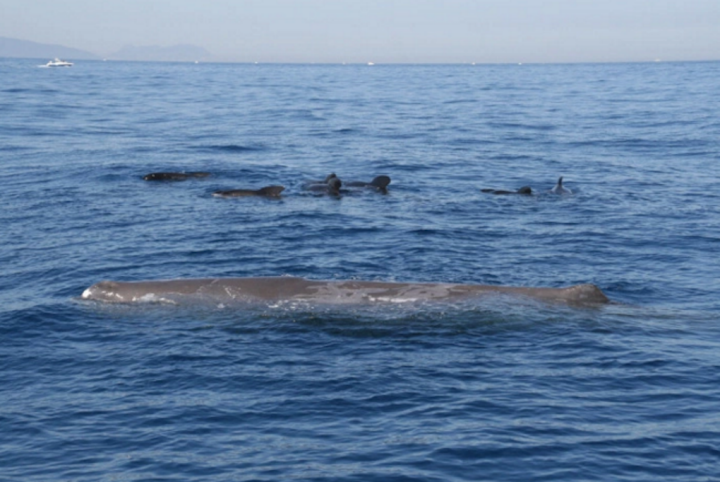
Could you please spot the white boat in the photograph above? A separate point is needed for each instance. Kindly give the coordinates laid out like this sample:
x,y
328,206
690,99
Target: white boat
x,y
58,63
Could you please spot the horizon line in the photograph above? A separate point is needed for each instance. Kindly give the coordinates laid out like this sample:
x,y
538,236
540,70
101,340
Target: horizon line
x,y
377,64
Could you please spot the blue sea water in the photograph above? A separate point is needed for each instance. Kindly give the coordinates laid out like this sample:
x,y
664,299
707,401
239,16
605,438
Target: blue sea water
x,y
502,389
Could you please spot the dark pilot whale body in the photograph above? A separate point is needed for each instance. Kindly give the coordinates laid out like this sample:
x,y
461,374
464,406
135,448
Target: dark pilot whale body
x,y
379,183
174,176
267,191
332,186
274,289
332,175
525,190
319,184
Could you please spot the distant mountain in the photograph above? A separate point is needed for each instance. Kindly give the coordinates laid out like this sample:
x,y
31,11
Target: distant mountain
x,y
175,53
10,47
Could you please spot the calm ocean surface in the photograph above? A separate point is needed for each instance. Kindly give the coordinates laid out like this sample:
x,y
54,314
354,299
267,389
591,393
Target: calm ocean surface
x,y
499,390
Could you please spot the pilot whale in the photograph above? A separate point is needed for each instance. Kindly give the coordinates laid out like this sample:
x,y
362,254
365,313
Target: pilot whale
x,y
332,175
274,289
267,191
379,183
525,190
559,189
332,186
173,176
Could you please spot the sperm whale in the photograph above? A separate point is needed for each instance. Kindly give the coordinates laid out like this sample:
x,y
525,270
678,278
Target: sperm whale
x,y
284,288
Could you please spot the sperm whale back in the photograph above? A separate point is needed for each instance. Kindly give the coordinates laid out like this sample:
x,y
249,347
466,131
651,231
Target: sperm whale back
x,y
266,289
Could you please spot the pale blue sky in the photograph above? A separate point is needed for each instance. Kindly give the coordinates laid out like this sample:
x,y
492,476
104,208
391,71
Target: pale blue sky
x,y
381,30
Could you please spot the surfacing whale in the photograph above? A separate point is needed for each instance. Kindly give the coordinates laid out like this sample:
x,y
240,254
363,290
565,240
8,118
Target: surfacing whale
x,y
332,186
525,190
173,176
379,183
559,189
332,175
317,182
275,289
267,191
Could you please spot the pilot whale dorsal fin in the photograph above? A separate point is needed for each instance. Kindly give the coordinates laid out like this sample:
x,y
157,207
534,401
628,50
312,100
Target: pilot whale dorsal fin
x,y
559,188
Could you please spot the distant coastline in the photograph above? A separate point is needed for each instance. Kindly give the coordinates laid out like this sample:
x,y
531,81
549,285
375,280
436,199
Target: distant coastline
x,y
16,48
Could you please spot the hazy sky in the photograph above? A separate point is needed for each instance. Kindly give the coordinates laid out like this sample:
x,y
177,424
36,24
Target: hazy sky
x,y
381,30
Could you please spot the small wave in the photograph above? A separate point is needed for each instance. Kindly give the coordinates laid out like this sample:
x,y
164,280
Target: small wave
x,y
461,101
21,90
517,125
11,148
399,135
472,141
230,148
